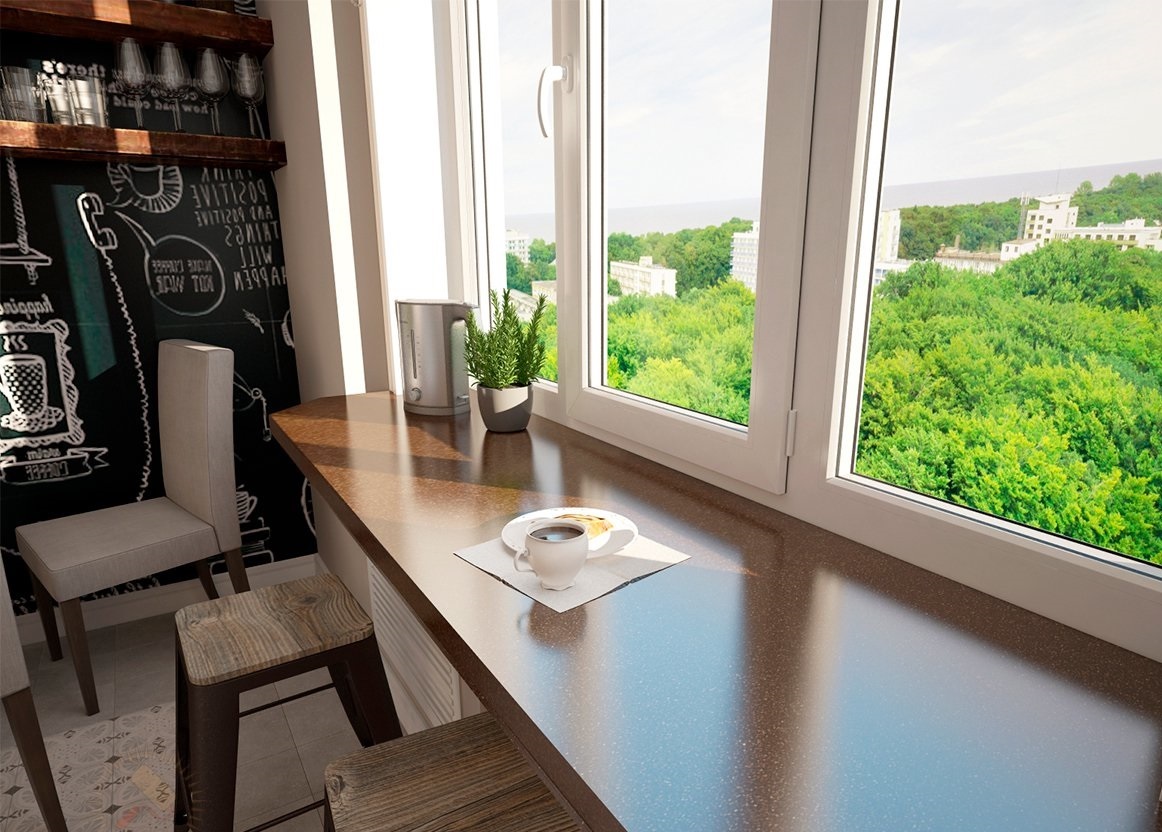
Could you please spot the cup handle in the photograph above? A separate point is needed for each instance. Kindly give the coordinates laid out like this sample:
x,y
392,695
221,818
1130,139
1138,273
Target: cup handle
x,y
618,540
517,557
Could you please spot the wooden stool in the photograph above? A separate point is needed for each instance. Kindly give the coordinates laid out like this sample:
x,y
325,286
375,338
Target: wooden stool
x,y
463,775
248,640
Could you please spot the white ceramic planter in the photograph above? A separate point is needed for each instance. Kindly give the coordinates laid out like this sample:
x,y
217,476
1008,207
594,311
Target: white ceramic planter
x,y
507,409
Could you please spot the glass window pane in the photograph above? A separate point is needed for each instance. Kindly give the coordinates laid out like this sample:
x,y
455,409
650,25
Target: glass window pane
x,y
525,48
1014,353
684,109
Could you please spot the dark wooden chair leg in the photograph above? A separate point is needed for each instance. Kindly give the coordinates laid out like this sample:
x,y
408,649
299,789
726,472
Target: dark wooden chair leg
x,y
328,820
30,744
237,570
79,648
371,693
339,675
213,756
44,606
206,578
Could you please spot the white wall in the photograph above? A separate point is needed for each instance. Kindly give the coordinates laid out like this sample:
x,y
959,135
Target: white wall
x,y
317,105
406,135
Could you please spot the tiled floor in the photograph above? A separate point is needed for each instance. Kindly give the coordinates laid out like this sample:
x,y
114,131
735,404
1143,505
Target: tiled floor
x,y
108,766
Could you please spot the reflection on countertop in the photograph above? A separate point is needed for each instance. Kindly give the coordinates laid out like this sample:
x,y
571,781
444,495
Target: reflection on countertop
x,y
783,677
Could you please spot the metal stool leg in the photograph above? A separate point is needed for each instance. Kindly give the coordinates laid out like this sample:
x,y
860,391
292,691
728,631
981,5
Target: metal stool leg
x,y
371,693
342,684
181,809
213,756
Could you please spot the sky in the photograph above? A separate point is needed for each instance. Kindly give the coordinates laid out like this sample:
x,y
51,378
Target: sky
x,y
980,88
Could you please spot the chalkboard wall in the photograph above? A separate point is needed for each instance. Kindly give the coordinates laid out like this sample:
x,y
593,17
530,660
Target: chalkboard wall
x,y
100,262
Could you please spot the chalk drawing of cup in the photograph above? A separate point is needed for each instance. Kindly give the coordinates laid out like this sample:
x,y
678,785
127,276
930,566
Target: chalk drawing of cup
x,y
24,383
245,503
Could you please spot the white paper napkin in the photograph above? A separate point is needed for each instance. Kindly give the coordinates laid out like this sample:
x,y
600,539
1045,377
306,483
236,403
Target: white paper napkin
x,y
599,576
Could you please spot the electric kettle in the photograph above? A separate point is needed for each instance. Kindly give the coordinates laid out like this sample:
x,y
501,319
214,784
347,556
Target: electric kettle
x,y
431,336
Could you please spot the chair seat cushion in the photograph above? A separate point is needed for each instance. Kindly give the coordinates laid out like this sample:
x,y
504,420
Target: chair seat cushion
x,y
251,631
463,775
73,556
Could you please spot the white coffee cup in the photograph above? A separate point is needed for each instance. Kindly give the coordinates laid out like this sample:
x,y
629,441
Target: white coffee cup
x,y
555,549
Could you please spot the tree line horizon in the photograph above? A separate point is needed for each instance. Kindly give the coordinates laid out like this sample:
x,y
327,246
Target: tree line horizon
x,y
1033,393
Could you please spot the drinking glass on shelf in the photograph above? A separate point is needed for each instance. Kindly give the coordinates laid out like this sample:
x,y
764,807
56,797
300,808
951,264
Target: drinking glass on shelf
x,y
172,79
57,93
133,74
249,88
87,96
23,94
212,82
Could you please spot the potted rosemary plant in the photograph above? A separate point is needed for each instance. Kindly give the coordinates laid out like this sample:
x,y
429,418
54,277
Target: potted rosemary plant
x,y
504,361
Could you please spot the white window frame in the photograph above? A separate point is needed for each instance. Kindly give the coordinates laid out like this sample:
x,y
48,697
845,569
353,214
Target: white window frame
x,y
756,454
1107,596
810,288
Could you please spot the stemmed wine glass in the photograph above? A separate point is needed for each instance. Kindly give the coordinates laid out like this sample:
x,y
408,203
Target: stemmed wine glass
x,y
172,80
132,72
212,82
249,89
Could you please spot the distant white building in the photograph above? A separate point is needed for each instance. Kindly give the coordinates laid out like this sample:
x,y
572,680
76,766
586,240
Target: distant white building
x,y
1055,219
744,256
517,243
644,277
1015,248
984,262
1054,213
525,304
548,288
1128,234
886,257
880,269
888,236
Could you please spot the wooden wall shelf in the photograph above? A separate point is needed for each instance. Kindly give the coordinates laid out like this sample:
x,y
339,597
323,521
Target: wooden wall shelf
x,y
148,21
24,139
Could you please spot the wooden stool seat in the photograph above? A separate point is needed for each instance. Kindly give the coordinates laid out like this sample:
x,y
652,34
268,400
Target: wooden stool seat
x,y
231,645
251,631
466,775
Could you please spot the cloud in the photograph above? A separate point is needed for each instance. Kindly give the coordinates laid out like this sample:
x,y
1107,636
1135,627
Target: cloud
x,y
980,88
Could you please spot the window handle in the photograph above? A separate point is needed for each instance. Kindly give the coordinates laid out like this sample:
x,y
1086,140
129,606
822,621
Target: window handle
x,y
551,74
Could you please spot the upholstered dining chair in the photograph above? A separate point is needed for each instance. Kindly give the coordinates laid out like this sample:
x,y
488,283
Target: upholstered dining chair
x,y
21,713
196,519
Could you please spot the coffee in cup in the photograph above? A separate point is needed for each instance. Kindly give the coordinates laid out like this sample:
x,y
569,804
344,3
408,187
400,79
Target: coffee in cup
x,y
555,549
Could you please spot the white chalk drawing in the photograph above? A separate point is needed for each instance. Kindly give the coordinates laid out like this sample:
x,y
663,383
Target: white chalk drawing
x,y
39,397
91,208
24,383
245,503
250,316
155,189
37,382
307,502
287,337
18,253
21,604
246,397
255,532
182,275
51,465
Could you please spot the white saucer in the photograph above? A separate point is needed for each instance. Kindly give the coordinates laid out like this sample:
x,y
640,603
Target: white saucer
x,y
513,533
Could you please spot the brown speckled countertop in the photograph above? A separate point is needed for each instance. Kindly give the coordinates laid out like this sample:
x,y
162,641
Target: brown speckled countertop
x,y
782,678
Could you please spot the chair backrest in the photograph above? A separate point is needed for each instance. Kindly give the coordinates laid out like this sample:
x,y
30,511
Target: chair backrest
x,y
196,422
13,672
